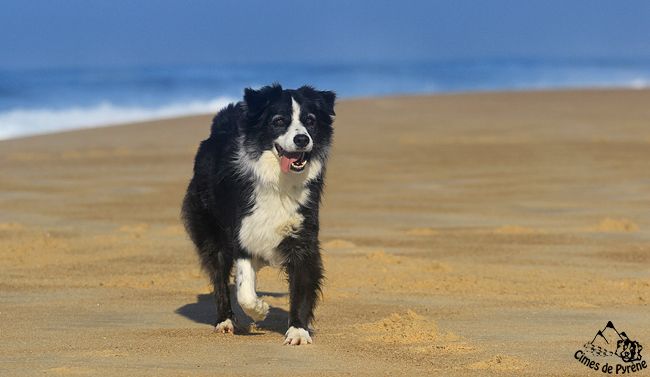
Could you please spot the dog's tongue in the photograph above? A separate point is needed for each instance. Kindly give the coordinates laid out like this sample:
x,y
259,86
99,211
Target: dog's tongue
x,y
285,162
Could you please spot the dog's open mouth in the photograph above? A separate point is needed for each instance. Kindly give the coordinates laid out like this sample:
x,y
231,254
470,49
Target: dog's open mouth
x,y
294,161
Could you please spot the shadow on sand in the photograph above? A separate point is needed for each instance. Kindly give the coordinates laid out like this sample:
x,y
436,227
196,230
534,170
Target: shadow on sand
x,y
204,311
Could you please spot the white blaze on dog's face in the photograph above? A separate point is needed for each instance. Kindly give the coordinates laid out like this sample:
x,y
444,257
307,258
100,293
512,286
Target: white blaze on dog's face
x,y
293,146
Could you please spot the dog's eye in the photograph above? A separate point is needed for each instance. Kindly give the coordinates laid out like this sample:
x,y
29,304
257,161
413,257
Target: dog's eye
x,y
278,121
310,120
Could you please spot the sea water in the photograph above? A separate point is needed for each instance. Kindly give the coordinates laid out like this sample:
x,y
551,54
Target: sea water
x,y
34,101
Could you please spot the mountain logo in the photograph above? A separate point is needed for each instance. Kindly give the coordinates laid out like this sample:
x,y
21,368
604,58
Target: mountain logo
x,y
610,343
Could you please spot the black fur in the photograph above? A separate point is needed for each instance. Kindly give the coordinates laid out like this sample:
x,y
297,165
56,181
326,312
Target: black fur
x,y
219,196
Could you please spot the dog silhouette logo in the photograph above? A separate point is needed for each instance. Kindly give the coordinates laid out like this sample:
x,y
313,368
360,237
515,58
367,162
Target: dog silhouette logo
x,y
609,342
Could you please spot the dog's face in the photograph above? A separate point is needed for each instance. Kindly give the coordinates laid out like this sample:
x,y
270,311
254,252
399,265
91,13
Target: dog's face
x,y
629,350
294,125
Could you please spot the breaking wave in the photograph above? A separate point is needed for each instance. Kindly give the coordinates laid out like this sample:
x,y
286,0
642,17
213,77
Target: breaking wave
x,y
24,122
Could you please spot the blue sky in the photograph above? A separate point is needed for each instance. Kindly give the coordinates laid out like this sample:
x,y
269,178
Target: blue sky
x,y
65,33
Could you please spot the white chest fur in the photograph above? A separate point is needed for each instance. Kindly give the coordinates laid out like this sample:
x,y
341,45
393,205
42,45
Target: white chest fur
x,y
276,200
274,216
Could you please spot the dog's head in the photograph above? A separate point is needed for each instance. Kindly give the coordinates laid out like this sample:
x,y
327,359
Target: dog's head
x,y
295,126
629,350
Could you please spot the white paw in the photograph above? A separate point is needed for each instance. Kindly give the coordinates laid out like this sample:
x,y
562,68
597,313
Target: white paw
x,y
297,336
257,310
225,327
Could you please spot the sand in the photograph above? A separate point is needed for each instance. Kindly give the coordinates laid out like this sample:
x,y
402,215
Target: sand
x,y
481,234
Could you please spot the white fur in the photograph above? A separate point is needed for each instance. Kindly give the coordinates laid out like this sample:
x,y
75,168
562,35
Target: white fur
x,y
297,336
225,327
247,298
276,199
295,128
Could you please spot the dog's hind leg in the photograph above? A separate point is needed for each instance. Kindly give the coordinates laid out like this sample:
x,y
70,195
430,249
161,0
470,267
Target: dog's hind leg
x,y
211,247
247,298
217,264
219,271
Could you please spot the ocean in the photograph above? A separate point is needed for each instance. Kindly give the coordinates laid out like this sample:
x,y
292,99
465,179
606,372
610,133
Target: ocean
x,y
37,101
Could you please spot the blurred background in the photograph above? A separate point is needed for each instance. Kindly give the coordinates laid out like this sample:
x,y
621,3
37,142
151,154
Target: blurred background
x,y
76,63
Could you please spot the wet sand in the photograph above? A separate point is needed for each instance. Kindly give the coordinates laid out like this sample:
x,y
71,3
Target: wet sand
x,y
482,234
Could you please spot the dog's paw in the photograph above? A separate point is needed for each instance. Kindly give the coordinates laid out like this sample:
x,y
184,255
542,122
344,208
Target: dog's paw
x,y
297,336
257,310
225,327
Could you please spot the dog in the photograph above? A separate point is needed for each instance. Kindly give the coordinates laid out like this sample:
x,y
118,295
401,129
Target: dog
x,y
628,350
254,199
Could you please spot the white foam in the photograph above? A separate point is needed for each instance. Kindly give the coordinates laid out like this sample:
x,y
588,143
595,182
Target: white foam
x,y
639,83
23,122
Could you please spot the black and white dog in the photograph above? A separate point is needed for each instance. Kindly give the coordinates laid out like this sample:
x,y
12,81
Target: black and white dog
x,y
254,199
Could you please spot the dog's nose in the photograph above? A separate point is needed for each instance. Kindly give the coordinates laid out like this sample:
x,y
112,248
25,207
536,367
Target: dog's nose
x,y
301,140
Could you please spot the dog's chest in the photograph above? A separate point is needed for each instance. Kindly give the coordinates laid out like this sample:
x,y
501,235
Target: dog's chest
x,y
274,217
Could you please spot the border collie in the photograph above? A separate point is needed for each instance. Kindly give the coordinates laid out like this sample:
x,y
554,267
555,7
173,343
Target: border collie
x,y
254,199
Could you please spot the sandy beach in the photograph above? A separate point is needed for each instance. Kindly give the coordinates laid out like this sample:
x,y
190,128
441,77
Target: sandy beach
x,y
469,234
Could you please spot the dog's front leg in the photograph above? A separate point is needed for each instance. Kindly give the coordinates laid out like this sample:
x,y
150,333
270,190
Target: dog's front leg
x,y
305,270
247,298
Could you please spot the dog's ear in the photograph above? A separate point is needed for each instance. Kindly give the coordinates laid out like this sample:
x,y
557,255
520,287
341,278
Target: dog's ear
x,y
329,98
324,99
257,100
